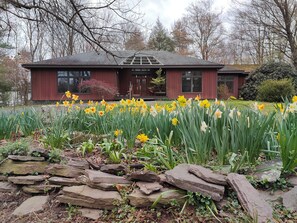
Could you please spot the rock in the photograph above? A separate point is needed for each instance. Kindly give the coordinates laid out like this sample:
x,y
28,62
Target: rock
x,y
270,176
32,204
292,180
27,179
144,175
25,158
97,177
149,188
138,199
208,175
249,198
78,163
85,196
136,166
3,178
64,181
181,178
290,199
22,168
39,152
115,169
40,189
6,187
90,213
64,171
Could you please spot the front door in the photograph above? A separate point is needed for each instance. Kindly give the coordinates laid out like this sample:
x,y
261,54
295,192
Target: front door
x,y
140,84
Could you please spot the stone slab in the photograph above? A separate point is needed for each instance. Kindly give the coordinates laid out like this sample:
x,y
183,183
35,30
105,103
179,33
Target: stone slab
x,y
181,178
64,171
27,180
6,187
249,198
25,158
32,204
149,188
96,176
40,189
208,175
166,196
22,168
290,199
85,196
65,181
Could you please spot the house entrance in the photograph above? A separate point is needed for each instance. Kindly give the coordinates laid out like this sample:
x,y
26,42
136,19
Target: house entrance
x,y
140,85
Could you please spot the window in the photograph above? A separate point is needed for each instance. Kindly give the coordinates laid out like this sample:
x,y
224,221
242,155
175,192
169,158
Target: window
x,y
228,81
70,80
192,81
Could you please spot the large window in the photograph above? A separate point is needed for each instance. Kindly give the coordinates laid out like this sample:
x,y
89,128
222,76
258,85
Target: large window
x,y
70,80
228,81
192,81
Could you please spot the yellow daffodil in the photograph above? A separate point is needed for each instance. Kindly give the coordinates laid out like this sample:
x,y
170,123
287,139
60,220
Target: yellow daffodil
x,y
204,104
118,132
261,107
75,97
103,103
182,100
174,121
87,110
57,104
68,94
81,102
90,102
294,99
93,110
101,113
66,103
197,98
142,138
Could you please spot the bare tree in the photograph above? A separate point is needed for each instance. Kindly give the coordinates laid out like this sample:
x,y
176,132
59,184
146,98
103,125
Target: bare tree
x,y
278,18
181,38
134,39
97,23
205,28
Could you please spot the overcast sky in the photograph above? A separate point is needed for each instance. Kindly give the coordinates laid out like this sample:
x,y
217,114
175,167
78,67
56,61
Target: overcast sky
x,y
170,10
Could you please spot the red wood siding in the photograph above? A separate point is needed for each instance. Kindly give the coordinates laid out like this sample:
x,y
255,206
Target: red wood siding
x,y
44,84
174,84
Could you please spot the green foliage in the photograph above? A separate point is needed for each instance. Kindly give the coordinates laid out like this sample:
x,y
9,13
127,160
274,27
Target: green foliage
x,y
56,136
55,155
159,81
19,147
159,39
287,136
272,70
86,147
275,90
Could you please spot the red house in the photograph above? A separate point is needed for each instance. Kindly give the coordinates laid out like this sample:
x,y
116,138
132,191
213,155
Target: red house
x,y
129,72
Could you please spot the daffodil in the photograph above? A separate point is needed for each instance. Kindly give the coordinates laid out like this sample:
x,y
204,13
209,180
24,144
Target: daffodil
x,y
87,110
68,94
197,98
101,113
142,138
93,109
174,121
203,126
218,113
182,100
118,132
204,104
66,103
103,103
57,104
294,99
81,102
261,107
75,97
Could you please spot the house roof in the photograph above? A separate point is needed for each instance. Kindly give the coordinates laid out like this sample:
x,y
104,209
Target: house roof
x,y
105,60
228,69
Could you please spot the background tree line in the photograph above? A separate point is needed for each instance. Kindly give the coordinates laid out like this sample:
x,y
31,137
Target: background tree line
x,y
259,31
